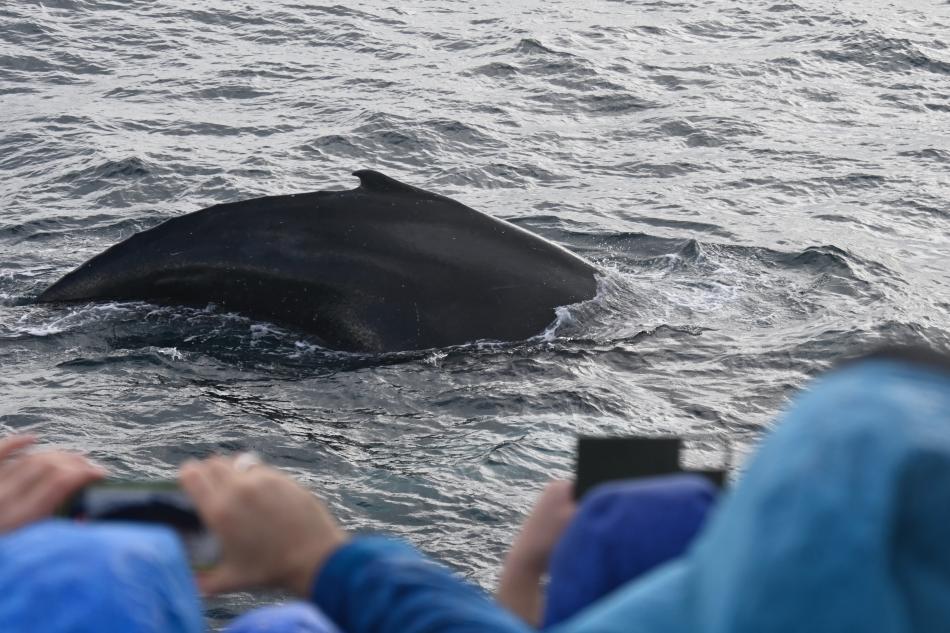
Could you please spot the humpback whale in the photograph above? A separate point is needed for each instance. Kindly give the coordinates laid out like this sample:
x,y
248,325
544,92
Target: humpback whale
x,y
384,267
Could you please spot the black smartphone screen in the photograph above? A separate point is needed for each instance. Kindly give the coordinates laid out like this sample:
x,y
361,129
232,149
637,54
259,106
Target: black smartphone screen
x,y
601,459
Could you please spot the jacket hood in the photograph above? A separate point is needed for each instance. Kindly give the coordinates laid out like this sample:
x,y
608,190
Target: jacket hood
x,y
838,524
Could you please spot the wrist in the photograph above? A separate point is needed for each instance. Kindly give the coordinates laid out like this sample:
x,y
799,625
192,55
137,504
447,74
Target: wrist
x,y
309,564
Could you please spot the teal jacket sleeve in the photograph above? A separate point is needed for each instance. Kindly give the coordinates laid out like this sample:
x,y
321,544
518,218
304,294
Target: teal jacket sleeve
x,y
378,585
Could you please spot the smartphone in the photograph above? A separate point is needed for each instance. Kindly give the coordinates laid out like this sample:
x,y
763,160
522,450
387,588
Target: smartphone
x,y
602,459
161,502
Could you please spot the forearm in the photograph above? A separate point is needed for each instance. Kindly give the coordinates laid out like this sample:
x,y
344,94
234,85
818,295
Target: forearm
x,y
374,585
519,588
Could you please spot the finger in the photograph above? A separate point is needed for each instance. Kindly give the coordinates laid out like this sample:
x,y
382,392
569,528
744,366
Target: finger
x,y
564,491
560,487
17,485
71,480
221,579
56,485
23,470
206,482
220,470
211,473
22,474
14,443
194,480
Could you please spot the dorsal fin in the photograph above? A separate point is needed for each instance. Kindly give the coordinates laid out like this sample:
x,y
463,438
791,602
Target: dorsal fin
x,y
380,183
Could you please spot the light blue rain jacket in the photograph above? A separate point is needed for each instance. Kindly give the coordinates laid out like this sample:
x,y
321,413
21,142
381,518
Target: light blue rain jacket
x,y
840,524
294,617
63,577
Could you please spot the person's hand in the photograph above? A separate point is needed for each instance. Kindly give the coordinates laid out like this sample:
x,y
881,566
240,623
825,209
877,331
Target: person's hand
x,y
542,529
519,588
273,533
34,484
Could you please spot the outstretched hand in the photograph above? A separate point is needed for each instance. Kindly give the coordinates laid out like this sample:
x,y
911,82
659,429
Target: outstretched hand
x,y
519,588
34,484
273,533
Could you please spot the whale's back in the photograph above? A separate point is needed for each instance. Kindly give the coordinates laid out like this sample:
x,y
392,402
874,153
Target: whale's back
x,y
382,267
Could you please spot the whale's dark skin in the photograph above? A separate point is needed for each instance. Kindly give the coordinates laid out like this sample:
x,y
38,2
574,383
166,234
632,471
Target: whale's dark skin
x,y
380,268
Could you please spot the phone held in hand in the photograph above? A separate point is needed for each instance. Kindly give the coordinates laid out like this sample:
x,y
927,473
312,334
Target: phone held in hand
x,y
603,459
161,502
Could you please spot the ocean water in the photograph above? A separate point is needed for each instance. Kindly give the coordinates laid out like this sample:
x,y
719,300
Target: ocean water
x,y
766,188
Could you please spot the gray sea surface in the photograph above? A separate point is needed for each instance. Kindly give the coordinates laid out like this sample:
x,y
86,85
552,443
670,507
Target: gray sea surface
x,y
766,187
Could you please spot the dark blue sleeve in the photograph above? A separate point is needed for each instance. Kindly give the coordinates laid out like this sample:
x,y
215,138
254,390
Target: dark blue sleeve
x,y
378,585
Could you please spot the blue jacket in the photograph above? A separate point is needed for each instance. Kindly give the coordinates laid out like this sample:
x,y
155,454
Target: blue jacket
x,y
621,531
64,577
839,524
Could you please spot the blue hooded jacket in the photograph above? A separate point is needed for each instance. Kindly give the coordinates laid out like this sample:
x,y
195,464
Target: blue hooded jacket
x,y
839,524
65,577
621,531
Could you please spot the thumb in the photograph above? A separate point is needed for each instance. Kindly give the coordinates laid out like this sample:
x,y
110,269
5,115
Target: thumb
x,y
220,579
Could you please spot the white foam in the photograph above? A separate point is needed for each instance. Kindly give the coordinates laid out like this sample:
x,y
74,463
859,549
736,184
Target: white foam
x,y
434,358
562,317
74,319
171,352
304,349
